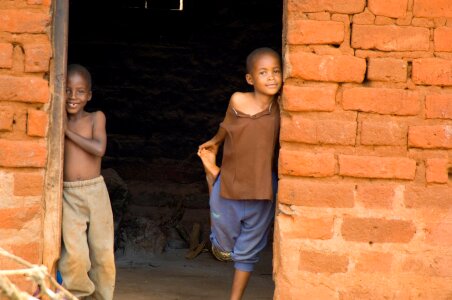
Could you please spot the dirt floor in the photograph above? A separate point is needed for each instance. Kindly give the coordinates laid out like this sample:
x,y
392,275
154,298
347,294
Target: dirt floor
x,y
170,276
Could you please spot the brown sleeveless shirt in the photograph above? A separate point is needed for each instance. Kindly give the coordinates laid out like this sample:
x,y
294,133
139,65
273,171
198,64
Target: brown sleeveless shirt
x,y
249,154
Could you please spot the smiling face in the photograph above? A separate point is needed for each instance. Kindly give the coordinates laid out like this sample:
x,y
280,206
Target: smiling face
x,y
265,74
78,92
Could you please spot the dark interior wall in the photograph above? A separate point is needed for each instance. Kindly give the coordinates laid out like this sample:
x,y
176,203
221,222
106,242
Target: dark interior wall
x,y
163,78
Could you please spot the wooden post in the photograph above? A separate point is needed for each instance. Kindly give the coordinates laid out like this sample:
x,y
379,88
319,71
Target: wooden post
x,y
55,144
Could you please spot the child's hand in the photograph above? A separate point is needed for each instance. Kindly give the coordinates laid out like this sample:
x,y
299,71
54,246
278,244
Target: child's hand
x,y
209,145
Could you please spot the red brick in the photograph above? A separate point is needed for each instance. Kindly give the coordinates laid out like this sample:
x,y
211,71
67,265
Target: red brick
x,y
429,8
387,69
438,106
314,32
319,262
6,55
373,230
439,234
297,163
306,228
364,18
16,218
28,184
37,123
432,71
429,197
436,170
376,196
31,252
24,89
377,167
303,130
22,154
382,101
383,134
23,21
440,266
374,262
341,68
380,291
443,39
435,136
37,57
337,6
309,98
298,192
6,119
388,8
39,2
390,37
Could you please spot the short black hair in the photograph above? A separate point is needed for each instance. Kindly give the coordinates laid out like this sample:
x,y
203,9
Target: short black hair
x,y
79,69
251,58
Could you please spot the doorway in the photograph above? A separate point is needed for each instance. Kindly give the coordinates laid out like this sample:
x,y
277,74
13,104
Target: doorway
x,y
163,77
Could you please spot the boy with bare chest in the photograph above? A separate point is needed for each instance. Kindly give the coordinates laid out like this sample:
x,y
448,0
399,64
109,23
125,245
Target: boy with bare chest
x,y
87,260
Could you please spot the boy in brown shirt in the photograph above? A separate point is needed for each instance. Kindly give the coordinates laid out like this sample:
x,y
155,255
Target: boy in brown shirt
x,y
241,197
87,260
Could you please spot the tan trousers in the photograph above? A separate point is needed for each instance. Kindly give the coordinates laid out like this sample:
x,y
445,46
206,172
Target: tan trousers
x,y
87,262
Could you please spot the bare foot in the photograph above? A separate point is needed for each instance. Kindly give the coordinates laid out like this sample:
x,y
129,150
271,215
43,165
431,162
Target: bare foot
x,y
212,170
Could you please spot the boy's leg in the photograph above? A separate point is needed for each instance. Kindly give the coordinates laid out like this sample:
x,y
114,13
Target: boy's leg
x,y
101,244
208,159
224,220
239,284
74,263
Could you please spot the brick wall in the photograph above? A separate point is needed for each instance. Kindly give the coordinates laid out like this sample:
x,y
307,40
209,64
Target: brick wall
x,y
25,52
365,198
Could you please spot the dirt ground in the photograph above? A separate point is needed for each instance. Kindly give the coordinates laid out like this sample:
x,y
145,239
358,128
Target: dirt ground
x,y
170,276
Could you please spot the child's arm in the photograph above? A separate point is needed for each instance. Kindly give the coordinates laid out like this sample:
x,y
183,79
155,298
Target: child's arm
x,y
214,143
97,145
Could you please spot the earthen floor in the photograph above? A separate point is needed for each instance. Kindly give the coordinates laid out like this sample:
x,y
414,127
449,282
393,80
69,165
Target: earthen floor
x,y
170,276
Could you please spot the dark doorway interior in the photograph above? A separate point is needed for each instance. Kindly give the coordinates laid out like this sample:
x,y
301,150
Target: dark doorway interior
x,y
163,78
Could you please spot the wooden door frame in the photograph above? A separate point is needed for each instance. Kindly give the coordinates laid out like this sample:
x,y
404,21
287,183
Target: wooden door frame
x,y
53,187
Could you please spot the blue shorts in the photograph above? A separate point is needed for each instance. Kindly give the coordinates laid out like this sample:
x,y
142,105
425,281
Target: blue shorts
x,y
240,226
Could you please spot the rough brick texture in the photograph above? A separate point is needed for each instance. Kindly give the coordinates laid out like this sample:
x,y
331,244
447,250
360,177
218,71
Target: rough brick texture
x,y
387,69
25,57
377,230
436,170
24,89
37,123
432,71
309,98
429,8
315,32
6,55
306,164
342,68
438,106
388,8
436,136
22,154
23,21
377,167
28,184
365,194
336,6
304,130
316,194
390,38
443,39
382,101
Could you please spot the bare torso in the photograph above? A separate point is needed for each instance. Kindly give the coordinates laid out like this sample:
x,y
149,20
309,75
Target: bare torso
x,y
78,163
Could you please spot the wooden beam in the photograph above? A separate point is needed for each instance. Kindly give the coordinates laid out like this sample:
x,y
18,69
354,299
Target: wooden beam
x,y
55,145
